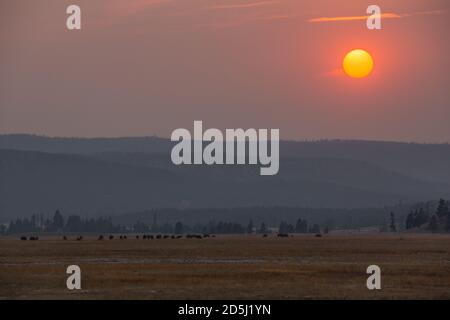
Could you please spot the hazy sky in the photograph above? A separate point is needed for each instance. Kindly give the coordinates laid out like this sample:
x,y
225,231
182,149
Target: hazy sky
x,y
144,67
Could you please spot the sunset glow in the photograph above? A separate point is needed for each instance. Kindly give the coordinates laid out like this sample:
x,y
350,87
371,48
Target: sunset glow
x,y
358,64
240,63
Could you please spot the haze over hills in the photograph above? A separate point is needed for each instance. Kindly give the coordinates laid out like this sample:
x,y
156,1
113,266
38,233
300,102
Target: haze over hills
x,y
118,175
83,145
424,161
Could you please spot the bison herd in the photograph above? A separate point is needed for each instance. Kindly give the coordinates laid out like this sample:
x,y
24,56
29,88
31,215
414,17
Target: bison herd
x,y
125,237
158,236
31,238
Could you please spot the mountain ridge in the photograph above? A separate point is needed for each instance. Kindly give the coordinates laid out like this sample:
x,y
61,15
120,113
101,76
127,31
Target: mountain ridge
x,y
99,184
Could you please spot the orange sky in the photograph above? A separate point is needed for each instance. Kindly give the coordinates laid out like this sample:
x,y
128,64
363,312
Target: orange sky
x,y
143,67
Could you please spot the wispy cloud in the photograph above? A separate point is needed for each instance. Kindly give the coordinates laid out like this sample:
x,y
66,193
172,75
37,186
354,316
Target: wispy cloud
x,y
389,15
338,72
353,18
423,13
243,5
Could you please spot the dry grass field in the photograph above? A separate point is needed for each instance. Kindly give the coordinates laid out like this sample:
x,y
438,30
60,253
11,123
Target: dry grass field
x,y
229,267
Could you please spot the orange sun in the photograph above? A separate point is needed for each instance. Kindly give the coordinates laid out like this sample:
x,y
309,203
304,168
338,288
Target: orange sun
x,y
358,64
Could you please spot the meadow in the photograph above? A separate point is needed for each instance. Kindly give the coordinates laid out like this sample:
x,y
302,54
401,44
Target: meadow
x,y
228,267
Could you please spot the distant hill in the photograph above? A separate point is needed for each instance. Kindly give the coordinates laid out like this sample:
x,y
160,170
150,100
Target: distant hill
x,y
423,161
112,183
29,142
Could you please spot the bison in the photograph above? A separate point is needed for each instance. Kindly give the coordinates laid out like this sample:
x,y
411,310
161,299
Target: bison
x,y
194,236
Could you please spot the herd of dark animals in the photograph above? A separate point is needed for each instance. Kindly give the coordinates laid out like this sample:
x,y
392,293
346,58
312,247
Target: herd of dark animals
x,y
159,236
144,237
31,238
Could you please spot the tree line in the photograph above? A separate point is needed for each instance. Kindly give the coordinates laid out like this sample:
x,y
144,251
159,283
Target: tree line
x,y
418,218
76,224
438,221
300,227
73,223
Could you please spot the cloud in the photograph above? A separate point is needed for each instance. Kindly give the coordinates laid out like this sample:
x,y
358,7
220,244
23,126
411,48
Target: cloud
x,y
333,73
242,5
353,18
423,13
389,15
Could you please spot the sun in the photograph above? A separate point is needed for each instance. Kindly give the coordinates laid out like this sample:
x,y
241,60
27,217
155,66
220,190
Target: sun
x,y
358,64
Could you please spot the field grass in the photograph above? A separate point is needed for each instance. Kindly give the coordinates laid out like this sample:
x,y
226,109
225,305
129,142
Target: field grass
x,y
229,267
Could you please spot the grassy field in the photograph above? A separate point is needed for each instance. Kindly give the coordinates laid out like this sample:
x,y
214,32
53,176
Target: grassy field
x,y
229,267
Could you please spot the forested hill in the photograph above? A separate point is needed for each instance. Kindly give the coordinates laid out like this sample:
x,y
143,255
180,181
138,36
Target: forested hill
x,y
423,161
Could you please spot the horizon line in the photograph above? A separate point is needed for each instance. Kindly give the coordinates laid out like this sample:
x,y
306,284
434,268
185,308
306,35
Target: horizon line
x,y
155,136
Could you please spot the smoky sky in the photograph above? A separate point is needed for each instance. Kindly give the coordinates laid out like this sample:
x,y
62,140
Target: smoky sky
x,y
147,67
